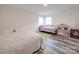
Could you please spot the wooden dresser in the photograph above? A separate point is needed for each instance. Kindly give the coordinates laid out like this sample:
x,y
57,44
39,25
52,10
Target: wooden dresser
x,y
74,33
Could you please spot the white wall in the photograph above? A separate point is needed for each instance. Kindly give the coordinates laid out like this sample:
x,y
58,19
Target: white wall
x,y
12,17
69,17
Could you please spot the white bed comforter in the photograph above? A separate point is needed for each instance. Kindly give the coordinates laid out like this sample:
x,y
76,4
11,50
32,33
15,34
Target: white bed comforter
x,y
23,42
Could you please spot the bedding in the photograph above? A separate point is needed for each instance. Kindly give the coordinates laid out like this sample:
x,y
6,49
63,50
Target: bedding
x,y
49,29
19,42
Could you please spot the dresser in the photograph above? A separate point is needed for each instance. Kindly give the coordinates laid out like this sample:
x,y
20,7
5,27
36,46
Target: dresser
x,y
74,33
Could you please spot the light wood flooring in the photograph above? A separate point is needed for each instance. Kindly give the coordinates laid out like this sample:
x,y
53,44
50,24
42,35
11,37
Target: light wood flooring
x,y
59,45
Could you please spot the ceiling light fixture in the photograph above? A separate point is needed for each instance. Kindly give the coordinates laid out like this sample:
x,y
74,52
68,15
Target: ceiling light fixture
x,y
45,4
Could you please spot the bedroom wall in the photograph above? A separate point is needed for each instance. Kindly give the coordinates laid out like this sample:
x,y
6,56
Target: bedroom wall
x,y
12,17
69,17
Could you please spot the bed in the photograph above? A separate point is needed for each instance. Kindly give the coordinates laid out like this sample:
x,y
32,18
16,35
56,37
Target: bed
x,y
48,29
19,42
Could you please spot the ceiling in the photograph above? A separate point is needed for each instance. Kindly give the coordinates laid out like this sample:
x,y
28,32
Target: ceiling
x,y
50,9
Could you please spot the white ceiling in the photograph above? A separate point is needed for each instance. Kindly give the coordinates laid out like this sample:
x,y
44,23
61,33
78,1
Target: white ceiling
x,y
50,9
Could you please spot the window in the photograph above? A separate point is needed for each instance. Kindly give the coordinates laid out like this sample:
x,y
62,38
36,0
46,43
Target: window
x,y
45,21
41,21
48,21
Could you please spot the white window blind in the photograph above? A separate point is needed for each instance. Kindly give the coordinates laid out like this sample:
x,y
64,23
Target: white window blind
x,y
45,21
48,20
41,21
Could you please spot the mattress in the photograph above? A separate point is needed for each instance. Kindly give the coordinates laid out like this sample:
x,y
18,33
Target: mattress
x,y
19,43
50,29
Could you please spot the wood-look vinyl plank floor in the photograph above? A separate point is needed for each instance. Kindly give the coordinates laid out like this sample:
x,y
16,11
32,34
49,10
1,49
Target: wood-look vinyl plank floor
x,y
59,45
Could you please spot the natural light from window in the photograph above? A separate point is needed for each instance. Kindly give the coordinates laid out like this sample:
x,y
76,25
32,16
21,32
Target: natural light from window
x,y
48,20
45,21
41,21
